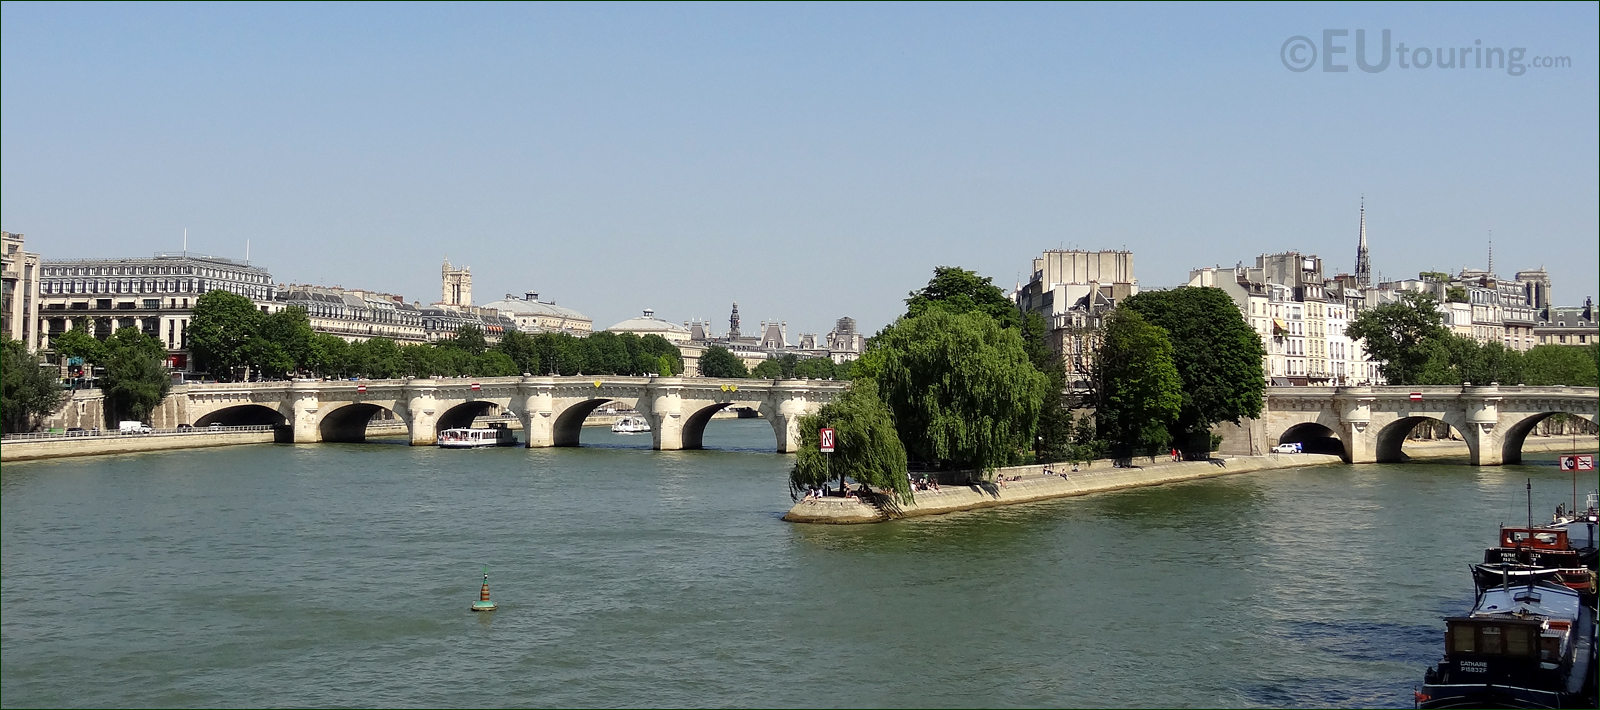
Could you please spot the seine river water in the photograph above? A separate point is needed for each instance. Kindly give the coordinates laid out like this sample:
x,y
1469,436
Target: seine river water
x,y
340,575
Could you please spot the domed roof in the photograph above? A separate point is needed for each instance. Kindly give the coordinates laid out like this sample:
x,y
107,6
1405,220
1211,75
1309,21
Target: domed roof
x,y
532,306
648,323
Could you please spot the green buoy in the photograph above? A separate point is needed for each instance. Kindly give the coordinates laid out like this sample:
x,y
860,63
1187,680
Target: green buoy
x,y
483,603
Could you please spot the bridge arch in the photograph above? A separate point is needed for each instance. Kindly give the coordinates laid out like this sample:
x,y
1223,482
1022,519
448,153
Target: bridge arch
x,y
463,414
1391,438
1517,434
243,415
567,430
1316,438
349,422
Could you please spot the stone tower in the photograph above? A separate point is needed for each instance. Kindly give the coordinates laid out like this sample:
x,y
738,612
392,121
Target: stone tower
x,y
457,289
1363,263
733,323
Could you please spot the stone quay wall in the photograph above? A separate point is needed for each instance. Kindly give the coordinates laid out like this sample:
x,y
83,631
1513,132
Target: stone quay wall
x,y
25,450
1033,485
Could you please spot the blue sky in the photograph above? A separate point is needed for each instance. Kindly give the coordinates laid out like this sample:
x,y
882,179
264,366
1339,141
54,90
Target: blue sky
x,y
808,161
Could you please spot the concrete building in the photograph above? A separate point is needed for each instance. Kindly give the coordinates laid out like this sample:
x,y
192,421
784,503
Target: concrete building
x,y
535,316
649,324
1073,291
1572,325
19,271
155,294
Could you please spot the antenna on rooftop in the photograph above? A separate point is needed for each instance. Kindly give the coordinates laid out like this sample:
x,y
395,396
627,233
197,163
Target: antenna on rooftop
x,y
246,251
185,241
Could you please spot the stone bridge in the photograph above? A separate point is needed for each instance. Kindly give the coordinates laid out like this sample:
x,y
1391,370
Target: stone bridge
x,y
551,409
1371,423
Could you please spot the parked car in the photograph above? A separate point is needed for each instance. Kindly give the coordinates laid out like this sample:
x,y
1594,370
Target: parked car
x,y
215,425
133,427
184,427
1293,448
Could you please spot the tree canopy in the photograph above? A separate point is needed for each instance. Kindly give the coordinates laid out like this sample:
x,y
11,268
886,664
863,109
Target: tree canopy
x,y
718,361
961,389
220,328
1138,392
1562,365
1398,335
136,378
1217,355
866,447
961,291
30,391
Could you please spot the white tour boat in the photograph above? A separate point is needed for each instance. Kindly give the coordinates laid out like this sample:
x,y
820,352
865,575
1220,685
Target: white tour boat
x,y
631,425
493,435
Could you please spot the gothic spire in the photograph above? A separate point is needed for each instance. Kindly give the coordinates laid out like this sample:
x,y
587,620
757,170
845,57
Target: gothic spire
x,y
1363,263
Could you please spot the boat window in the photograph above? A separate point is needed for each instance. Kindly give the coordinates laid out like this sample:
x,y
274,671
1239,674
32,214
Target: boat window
x,y
1518,642
1460,639
1492,643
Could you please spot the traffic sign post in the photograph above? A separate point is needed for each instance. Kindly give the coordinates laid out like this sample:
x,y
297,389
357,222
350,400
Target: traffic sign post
x,y
825,439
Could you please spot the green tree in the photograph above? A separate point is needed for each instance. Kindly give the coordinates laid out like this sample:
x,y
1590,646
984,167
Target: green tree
x,y
221,325
664,366
1138,393
1218,356
268,359
1398,334
1562,365
30,389
961,291
79,343
658,346
377,358
559,354
1455,294
719,362
866,446
521,349
494,363
767,370
815,368
329,355
290,330
469,338
960,386
136,378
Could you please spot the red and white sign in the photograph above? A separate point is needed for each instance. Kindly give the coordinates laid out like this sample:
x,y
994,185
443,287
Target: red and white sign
x,y
361,388
1577,463
1416,396
825,437
476,387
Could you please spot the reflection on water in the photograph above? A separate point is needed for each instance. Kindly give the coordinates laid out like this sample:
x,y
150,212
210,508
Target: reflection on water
x,y
341,575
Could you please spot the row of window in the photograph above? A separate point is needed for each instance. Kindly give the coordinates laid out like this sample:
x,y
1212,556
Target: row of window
x,y
230,274
139,286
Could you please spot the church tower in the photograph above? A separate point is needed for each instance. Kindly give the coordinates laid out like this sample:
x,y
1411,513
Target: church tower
x,y
1363,263
457,290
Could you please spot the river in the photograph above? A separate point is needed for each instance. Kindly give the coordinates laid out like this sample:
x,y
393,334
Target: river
x,y
340,575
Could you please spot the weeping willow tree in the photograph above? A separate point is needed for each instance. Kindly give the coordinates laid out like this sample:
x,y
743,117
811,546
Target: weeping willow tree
x,y
960,387
866,447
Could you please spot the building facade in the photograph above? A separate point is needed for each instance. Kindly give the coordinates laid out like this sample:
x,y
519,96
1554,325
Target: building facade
x,y
20,271
155,294
1073,291
535,316
353,314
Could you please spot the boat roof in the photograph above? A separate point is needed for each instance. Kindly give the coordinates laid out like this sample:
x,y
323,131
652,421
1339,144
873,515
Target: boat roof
x,y
1522,600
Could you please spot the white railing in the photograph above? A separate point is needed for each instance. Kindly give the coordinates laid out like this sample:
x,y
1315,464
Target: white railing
x,y
113,433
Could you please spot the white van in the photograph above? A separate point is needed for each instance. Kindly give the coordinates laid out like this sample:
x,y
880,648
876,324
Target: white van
x,y
133,427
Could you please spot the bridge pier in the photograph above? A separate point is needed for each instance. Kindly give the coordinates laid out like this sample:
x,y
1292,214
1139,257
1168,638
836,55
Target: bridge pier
x,y
537,411
665,414
423,412
305,420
